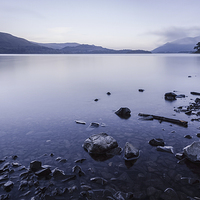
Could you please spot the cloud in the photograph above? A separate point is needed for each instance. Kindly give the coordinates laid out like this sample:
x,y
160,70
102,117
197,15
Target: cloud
x,y
173,33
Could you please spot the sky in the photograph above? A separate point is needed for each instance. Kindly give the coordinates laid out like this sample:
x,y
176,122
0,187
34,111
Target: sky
x,y
116,24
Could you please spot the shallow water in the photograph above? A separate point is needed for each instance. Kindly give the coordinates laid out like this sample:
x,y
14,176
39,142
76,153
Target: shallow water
x,y
43,95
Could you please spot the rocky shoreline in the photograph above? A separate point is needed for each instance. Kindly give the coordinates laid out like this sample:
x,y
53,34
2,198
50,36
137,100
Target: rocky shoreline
x,y
81,179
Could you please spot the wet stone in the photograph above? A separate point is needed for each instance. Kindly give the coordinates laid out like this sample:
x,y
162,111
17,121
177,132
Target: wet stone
x,y
99,143
8,186
123,112
35,165
43,172
157,142
99,180
168,149
80,160
130,152
169,194
188,136
77,169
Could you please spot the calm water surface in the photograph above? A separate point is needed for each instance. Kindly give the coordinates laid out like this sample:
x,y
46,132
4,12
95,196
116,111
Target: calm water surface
x,y
41,96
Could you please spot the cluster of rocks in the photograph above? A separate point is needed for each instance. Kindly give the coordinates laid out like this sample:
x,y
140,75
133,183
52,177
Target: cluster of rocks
x,y
192,109
172,96
104,146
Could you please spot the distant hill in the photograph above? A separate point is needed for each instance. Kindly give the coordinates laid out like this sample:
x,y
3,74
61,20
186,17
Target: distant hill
x,y
10,44
58,45
184,45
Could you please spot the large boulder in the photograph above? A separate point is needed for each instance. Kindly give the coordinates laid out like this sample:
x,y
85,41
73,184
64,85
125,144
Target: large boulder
x,y
99,143
130,152
123,112
192,151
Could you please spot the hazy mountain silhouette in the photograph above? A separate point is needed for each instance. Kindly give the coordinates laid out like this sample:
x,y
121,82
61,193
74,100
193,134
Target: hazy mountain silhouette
x,y
10,44
184,45
58,45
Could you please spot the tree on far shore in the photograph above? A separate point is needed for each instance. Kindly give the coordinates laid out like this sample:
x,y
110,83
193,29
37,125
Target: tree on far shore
x,y
197,47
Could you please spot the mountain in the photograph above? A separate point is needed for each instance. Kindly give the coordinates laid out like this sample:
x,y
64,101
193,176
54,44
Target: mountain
x,y
10,44
58,45
184,45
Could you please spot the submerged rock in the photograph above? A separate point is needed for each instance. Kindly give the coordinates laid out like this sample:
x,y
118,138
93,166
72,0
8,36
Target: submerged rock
x,y
99,143
170,96
35,165
130,152
124,113
8,186
192,151
157,142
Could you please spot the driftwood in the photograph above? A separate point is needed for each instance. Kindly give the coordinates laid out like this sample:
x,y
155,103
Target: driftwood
x,y
174,121
195,93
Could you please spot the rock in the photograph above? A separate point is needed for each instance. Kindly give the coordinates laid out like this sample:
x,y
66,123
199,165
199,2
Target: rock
x,y
123,113
43,172
77,169
169,194
130,152
80,160
57,173
80,122
8,186
14,157
192,151
198,135
35,165
99,180
141,90
179,156
189,112
188,136
157,142
94,125
170,96
22,185
108,93
180,96
99,143
168,149
96,100
85,187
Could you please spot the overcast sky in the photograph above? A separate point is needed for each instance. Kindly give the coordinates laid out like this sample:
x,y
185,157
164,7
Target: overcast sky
x,y
118,24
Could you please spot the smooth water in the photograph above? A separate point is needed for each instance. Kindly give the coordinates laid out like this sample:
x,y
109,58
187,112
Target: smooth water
x,y
41,96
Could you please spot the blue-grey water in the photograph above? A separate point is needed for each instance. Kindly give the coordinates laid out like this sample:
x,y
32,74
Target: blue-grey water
x,y
41,96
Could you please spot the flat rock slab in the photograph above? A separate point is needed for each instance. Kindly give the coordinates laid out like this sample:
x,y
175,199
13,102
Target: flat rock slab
x,y
168,149
99,143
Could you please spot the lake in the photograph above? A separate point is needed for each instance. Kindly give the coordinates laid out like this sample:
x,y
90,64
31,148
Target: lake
x,y
43,95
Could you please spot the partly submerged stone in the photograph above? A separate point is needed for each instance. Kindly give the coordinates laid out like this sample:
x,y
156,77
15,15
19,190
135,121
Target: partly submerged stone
x,y
124,113
170,96
130,152
192,151
168,149
157,142
99,143
35,165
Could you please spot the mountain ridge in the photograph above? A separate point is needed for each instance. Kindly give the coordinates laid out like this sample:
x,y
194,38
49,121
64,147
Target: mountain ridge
x,y
10,44
183,45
